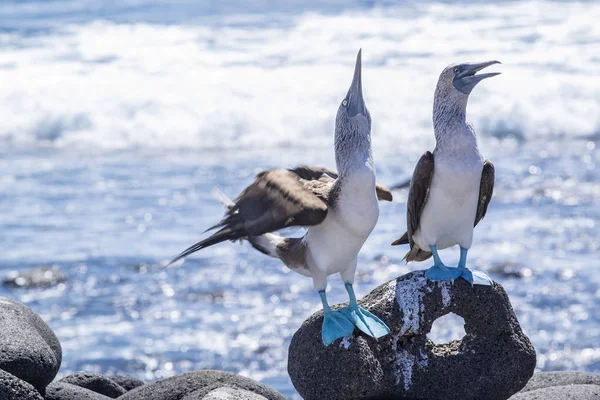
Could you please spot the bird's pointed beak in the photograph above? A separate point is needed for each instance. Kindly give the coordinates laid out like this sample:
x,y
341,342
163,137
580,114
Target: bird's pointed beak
x,y
466,79
356,103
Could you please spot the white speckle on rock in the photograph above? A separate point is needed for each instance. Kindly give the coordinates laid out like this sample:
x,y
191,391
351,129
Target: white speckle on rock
x,y
405,363
446,294
409,296
345,343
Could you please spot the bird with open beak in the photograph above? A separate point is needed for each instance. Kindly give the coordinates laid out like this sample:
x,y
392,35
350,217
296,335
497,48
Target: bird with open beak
x,y
451,188
339,210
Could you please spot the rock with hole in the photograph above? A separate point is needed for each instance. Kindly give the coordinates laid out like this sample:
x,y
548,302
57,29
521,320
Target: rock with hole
x,y
493,361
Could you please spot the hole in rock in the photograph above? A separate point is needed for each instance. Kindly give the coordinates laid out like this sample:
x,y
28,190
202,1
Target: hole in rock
x,y
447,328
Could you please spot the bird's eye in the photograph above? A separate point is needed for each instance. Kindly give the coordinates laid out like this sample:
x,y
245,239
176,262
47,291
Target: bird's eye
x,y
345,102
455,70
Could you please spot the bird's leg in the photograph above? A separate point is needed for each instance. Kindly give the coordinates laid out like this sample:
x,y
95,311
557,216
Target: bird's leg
x,y
439,272
335,324
462,263
363,319
473,277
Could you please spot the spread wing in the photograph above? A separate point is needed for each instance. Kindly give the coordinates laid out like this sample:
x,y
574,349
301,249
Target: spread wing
x,y
417,196
486,189
277,199
314,172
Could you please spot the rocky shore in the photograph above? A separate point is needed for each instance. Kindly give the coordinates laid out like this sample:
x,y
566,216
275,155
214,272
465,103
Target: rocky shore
x,y
494,360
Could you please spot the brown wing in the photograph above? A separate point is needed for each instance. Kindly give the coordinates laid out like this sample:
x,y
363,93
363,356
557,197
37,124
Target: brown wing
x,y
311,172
276,199
486,189
417,196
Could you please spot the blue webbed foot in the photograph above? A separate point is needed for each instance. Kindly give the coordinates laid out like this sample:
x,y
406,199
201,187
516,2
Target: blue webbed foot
x,y
476,277
439,272
335,325
367,322
363,319
442,273
473,277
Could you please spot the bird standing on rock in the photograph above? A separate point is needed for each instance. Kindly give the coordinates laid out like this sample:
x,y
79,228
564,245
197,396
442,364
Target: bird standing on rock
x,y
340,209
451,187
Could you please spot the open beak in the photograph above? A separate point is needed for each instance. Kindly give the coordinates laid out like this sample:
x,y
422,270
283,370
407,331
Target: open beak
x,y
466,79
356,103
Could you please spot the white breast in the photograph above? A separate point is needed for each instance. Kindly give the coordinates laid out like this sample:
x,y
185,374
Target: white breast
x,y
334,244
449,214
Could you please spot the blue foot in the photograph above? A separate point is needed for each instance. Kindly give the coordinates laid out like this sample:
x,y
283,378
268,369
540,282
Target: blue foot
x,y
475,277
367,322
335,325
439,272
442,273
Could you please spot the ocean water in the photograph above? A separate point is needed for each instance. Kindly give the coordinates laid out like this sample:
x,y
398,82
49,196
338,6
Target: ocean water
x,y
116,121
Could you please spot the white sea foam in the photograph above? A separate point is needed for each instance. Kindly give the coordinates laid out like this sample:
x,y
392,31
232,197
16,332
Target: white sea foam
x,y
261,85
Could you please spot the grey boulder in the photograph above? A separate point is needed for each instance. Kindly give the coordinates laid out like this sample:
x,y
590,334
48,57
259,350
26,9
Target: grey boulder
x,y
227,393
65,391
29,350
570,392
95,382
197,385
13,388
561,385
126,382
561,378
493,361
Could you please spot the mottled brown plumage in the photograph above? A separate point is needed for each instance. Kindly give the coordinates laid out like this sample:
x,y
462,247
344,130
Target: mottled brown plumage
x,y
277,199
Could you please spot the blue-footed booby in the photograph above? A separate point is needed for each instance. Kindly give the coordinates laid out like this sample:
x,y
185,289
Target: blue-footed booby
x,y
451,188
340,209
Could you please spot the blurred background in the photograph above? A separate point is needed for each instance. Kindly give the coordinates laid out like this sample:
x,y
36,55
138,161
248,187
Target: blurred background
x,y
118,117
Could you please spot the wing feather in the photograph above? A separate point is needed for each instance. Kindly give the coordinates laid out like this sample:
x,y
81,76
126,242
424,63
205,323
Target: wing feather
x,y
486,190
277,199
417,196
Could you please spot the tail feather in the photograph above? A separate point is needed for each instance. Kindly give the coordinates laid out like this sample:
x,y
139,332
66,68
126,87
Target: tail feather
x,y
417,254
402,240
233,229
224,234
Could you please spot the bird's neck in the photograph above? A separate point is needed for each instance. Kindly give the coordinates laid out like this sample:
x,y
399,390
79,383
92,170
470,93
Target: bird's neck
x,y
352,151
450,125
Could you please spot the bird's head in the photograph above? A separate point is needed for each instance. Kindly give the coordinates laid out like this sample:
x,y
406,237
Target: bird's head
x,y
458,80
352,113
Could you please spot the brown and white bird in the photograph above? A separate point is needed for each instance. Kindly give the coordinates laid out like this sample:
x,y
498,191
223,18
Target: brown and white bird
x,y
451,188
340,209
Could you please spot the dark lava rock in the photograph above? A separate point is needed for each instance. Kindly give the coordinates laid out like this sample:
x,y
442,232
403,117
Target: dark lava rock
x,y
196,385
493,361
563,378
13,388
65,391
96,383
37,277
126,382
570,392
28,348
